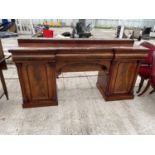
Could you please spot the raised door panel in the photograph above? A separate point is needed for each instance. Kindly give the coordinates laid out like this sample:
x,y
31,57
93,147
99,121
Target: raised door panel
x,y
123,78
38,82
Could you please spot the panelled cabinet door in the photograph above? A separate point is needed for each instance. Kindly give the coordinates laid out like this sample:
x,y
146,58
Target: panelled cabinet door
x,y
122,80
38,81
118,84
124,75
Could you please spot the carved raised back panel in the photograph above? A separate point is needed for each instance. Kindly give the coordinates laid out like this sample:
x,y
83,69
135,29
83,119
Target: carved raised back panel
x,y
73,43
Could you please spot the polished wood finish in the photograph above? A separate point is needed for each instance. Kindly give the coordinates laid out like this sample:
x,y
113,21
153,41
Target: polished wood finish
x,y
40,61
73,42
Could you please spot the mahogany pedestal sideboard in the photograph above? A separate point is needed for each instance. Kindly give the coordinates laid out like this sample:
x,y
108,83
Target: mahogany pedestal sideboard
x,y
40,61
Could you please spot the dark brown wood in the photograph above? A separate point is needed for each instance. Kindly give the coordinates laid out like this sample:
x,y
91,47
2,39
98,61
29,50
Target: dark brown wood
x,y
2,58
38,81
2,66
3,85
42,60
73,42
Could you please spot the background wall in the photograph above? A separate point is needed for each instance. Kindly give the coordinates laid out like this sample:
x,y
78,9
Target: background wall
x,y
105,23
126,22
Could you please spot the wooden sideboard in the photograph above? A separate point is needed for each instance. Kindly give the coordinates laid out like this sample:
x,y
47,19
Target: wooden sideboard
x,y
40,61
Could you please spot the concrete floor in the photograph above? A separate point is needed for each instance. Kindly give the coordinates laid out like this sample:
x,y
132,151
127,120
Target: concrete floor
x,y
81,109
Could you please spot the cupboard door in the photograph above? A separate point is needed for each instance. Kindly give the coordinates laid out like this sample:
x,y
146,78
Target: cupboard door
x,y
38,83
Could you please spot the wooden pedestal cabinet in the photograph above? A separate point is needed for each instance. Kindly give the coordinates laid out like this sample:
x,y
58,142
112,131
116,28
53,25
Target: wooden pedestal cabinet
x,y
38,82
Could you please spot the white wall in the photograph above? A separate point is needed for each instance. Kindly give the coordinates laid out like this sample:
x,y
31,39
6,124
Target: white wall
x,y
104,22
127,22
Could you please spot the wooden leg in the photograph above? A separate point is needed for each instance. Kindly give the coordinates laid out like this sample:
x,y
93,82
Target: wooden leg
x,y
140,85
146,88
152,91
4,85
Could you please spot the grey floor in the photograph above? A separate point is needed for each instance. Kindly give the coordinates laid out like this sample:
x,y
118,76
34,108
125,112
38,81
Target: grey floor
x,y
81,109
